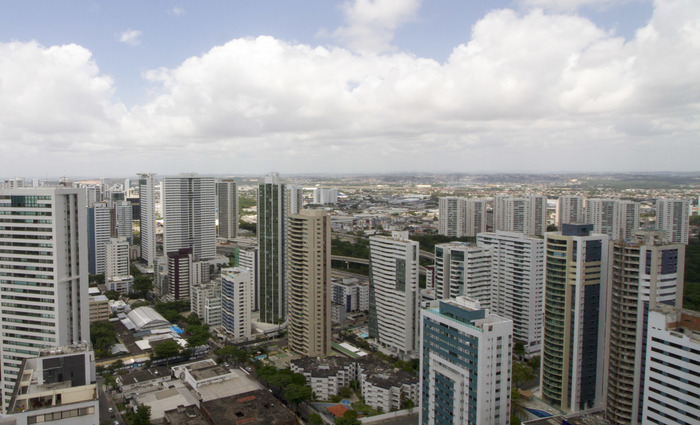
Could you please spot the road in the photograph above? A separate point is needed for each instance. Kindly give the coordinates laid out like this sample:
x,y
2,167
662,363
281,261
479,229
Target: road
x,y
105,403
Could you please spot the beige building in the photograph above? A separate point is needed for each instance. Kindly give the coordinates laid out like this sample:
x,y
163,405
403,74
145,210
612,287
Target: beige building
x,y
99,308
309,282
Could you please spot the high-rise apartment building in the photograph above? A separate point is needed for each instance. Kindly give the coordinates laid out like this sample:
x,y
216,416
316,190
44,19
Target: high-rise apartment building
x,y
517,284
147,218
248,258
325,196
189,216
275,203
236,287
227,201
671,393
465,364
574,318
643,273
526,215
203,302
463,269
309,282
99,233
43,237
570,210
123,221
613,217
180,274
459,217
117,258
672,216
394,293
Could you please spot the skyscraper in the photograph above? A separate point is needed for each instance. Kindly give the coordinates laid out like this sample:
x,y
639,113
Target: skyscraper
x,y
309,282
116,258
394,293
526,215
189,216
465,364
574,318
570,210
275,203
227,201
236,287
672,380
643,274
450,217
517,284
44,240
462,216
463,269
123,220
99,232
672,216
147,220
612,217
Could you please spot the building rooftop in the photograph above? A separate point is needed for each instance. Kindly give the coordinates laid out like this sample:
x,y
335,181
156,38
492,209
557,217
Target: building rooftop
x,y
184,415
255,407
147,318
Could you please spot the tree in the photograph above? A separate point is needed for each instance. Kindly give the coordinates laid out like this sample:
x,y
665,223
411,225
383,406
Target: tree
x,y
519,349
535,362
315,419
142,416
99,279
112,295
103,336
296,394
166,349
348,418
521,374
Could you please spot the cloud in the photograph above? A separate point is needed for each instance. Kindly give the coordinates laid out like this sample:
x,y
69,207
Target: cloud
x,y
130,37
370,24
177,11
571,5
527,92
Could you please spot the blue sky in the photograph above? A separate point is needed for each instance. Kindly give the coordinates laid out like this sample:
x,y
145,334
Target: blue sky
x,y
355,86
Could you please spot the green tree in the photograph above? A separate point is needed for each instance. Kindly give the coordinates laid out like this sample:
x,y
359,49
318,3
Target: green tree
x,y
112,295
98,279
166,349
519,349
102,336
315,419
142,285
297,393
521,374
142,416
348,418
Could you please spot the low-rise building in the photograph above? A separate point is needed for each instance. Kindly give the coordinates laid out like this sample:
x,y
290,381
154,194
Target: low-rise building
x,y
121,284
134,381
184,415
326,375
250,408
387,389
99,308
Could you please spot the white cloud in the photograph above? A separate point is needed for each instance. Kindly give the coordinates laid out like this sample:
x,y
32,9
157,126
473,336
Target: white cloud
x,y
177,11
131,37
572,5
527,92
370,24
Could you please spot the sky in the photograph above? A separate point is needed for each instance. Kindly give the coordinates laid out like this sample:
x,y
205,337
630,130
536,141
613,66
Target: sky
x,y
110,89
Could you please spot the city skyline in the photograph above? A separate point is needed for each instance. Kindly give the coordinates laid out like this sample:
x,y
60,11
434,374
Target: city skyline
x,y
350,87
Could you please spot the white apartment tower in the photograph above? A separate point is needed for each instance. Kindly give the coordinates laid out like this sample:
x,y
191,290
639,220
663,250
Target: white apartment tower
x,y
462,269
248,258
613,217
325,196
44,245
517,280
394,293
672,380
99,232
147,220
227,202
570,210
450,216
236,287
189,216
465,365
309,283
672,216
643,274
203,302
117,258
459,217
526,215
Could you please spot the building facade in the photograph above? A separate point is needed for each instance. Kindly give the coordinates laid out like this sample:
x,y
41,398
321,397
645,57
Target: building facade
x,y
309,283
394,293
517,284
673,354
189,215
227,202
570,210
672,217
574,318
463,269
147,218
643,274
99,233
526,215
44,240
236,287
465,365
